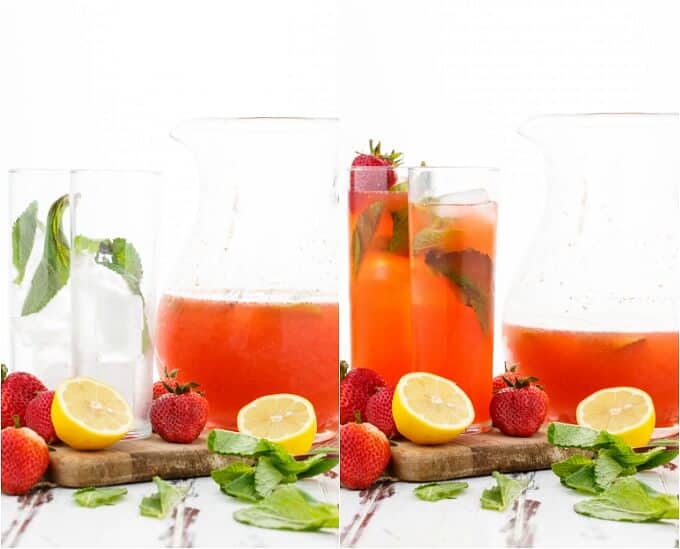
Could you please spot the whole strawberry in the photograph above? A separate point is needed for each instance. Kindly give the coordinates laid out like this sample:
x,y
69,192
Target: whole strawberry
x,y
508,378
18,389
39,416
379,411
25,458
365,453
355,390
160,386
374,179
180,415
520,409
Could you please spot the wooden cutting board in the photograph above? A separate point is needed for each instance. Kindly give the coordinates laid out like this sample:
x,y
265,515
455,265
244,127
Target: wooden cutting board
x,y
133,461
474,455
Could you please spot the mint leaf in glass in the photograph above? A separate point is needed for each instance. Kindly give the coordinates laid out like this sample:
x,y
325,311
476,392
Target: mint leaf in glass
x,y
440,490
630,500
471,274
398,243
52,272
289,508
401,187
23,238
94,497
501,496
364,230
158,505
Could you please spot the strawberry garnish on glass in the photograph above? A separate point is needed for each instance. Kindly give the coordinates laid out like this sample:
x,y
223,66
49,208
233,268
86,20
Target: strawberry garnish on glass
x,y
374,171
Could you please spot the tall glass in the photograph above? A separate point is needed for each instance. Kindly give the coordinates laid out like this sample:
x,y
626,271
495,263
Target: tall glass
x,y
114,226
252,309
39,312
452,225
596,302
380,292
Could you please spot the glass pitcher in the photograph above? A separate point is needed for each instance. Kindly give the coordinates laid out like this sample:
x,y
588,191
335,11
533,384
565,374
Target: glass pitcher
x,y
596,304
253,307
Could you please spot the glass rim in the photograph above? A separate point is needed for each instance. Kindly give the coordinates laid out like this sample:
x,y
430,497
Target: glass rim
x,y
111,171
470,168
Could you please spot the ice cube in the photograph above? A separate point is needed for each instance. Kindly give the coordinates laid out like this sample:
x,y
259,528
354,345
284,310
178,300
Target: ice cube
x,y
473,196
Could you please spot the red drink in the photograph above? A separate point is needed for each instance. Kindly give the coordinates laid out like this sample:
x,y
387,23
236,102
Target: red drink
x,y
571,365
238,351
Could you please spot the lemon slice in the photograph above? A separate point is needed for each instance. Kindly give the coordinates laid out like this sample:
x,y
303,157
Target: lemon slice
x,y
89,415
627,412
286,419
430,409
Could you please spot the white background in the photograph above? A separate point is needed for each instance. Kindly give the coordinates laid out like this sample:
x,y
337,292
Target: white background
x,y
100,84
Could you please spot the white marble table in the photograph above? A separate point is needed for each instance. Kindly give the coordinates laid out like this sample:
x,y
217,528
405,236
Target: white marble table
x,y
49,517
389,515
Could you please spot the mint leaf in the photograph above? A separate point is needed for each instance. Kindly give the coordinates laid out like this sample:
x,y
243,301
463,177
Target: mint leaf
x,y
158,505
506,491
267,477
607,469
121,257
231,443
401,187
398,243
289,508
242,487
317,465
570,465
23,238
364,230
471,273
94,497
231,472
52,272
653,460
439,490
630,500
566,435
583,480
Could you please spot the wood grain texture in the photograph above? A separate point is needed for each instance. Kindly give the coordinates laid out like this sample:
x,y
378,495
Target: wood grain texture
x,y
133,461
473,455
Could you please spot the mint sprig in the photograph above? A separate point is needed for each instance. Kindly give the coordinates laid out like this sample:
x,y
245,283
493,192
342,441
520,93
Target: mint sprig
x,y
506,491
273,465
611,457
52,272
23,238
398,243
364,230
95,497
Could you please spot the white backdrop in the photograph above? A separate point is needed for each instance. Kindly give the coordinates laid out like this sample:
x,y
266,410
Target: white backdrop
x,y
100,84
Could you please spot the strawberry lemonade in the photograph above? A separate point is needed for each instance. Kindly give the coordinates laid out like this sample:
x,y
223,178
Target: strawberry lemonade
x,y
452,266
239,350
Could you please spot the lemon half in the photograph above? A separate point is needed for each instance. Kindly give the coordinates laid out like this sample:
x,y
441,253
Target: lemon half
x,y
88,414
627,412
430,409
288,420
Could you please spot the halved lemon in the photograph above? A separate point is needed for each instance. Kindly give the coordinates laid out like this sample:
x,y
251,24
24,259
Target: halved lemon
x,y
88,414
430,409
288,420
627,412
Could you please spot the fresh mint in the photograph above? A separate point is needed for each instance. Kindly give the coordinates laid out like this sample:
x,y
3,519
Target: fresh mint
x,y
289,508
471,273
52,272
506,491
440,490
628,499
398,243
273,465
23,238
158,505
611,457
94,497
364,230
401,187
